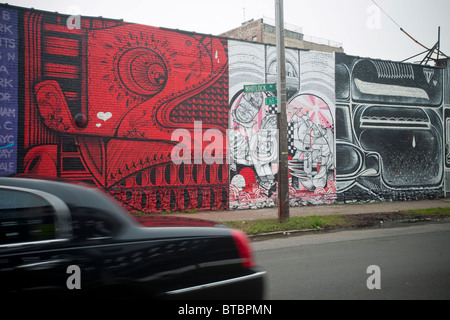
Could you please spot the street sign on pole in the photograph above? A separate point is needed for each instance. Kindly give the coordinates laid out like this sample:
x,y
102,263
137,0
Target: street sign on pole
x,y
260,87
271,100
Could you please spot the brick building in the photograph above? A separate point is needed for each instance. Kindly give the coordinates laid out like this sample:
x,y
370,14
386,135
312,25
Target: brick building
x,y
263,31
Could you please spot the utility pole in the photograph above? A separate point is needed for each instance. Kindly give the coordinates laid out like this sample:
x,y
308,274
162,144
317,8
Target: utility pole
x,y
283,170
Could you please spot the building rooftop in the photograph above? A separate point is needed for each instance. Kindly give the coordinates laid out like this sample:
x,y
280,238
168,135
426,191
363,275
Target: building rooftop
x,y
263,31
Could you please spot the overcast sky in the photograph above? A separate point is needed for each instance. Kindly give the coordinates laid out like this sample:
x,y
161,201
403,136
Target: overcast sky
x,y
361,27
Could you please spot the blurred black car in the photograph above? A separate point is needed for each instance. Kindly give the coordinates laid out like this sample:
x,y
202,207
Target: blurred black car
x,y
65,240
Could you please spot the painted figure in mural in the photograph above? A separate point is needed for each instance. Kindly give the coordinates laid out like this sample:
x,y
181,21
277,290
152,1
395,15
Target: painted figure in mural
x,y
313,149
238,149
248,107
264,151
253,149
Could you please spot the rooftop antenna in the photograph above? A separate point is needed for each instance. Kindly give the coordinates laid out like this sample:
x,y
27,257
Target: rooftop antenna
x,y
436,49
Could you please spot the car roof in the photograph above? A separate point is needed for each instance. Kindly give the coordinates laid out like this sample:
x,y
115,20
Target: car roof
x,y
74,195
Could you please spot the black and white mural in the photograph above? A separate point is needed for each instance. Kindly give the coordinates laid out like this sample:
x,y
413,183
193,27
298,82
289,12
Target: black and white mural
x,y
389,130
359,129
253,130
447,126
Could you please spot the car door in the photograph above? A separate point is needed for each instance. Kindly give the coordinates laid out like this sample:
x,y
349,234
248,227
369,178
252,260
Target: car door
x,y
34,229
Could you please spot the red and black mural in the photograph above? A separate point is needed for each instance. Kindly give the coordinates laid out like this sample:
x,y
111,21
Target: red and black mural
x,y
159,118
101,102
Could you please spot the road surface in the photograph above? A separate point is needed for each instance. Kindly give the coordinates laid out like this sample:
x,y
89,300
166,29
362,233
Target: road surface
x,y
410,262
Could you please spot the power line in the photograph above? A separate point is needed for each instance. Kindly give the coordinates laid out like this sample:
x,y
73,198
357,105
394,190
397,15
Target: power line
x,y
386,14
406,33
401,29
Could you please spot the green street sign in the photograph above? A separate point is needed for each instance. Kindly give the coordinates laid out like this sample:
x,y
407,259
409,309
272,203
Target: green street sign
x,y
271,101
260,87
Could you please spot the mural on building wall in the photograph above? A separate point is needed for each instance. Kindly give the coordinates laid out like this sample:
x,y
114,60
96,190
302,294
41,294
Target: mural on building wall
x,y
110,103
447,126
389,129
101,102
311,141
252,134
9,112
253,127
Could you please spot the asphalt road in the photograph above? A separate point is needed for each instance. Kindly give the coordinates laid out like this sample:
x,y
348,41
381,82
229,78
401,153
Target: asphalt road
x,y
413,263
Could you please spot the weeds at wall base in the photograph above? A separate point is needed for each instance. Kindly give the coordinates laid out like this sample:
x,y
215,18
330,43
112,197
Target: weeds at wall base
x,y
333,222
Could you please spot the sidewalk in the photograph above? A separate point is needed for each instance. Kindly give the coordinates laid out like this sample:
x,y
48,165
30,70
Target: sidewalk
x,y
272,213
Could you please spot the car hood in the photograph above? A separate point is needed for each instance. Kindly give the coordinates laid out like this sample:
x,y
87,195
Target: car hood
x,y
172,221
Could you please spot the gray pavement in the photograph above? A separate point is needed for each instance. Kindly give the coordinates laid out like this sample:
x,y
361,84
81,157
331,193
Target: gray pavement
x,y
272,213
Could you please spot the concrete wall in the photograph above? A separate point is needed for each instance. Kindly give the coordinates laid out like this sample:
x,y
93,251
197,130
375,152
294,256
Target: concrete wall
x,y
158,118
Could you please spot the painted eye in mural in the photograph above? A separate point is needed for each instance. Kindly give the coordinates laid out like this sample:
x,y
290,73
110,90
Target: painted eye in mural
x,y
143,71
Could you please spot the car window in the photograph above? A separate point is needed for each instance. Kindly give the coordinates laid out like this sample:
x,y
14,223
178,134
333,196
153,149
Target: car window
x,y
92,224
25,217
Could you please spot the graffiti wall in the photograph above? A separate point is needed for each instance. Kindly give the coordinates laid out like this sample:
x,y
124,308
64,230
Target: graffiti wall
x,y
9,111
389,130
99,100
253,132
159,118
447,126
